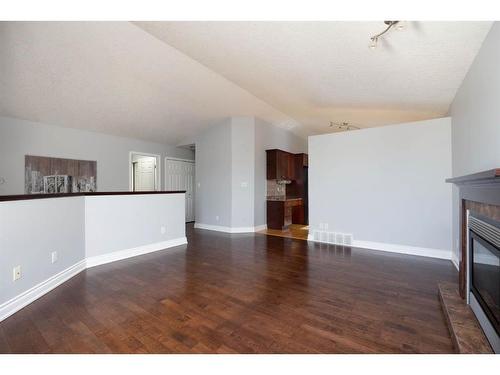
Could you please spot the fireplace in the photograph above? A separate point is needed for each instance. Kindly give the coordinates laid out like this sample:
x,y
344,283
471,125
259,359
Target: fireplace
x,y
484,275
478,262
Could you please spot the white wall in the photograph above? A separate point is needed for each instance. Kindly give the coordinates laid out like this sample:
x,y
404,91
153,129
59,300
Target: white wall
x,y
213,175
231,171
30,231
118,222
385,185
84,231
242,172
19,138
475,114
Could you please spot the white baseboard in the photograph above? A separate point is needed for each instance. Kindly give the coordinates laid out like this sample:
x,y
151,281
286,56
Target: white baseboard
x,y
18,302
217,228
220,228
455,261
404,249
133,252
401,249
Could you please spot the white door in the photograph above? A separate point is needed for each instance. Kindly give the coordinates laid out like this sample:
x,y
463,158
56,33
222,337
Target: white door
x,y
145,174
179,175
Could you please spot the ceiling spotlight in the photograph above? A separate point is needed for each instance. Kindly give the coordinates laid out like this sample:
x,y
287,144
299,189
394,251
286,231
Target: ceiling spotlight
x,y
399,25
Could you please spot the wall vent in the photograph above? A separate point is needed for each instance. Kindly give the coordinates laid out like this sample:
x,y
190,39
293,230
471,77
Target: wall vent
x,y
347,239
331,237
324,236
341,239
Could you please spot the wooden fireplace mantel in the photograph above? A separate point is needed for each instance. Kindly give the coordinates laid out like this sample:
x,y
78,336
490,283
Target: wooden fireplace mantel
x,y
480,193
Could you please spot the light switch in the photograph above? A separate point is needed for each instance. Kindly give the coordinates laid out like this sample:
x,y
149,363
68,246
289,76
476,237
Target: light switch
x,y
16,273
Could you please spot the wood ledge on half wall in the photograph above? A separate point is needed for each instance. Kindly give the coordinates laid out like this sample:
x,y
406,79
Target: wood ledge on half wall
x,y
489,176
20,197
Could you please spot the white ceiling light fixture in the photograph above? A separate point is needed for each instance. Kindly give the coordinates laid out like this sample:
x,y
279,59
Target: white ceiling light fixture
x,y
398,25
343,126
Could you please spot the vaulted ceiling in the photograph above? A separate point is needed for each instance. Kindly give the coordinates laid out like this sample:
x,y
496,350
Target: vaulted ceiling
x,y
318,72
115,78
165,81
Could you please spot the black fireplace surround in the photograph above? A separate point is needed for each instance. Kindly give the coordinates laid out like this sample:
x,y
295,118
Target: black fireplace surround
x,y
484,275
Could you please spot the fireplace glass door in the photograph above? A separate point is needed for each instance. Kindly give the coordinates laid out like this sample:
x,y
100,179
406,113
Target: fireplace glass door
x,y
485,277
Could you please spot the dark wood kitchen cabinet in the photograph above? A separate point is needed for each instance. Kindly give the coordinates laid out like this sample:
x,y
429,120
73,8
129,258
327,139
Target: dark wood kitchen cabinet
x,y
280,214
280,165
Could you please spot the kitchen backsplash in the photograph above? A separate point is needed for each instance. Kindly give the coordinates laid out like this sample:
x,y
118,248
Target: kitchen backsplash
x,y
275,190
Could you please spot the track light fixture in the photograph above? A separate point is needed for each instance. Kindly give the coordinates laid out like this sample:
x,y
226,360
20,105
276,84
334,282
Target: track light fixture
x,y
343,126
398,25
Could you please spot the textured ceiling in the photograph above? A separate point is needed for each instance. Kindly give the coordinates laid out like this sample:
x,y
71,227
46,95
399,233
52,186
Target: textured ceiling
x,y
115,78
166,81
318,72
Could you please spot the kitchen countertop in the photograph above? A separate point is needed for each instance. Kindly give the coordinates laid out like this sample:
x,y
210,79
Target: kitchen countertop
x,y
7,198
279,199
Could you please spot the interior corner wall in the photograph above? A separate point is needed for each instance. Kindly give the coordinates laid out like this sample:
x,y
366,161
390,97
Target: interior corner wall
x,y
20,137
214,175
243,172
475,115
231,171
268,136
385,185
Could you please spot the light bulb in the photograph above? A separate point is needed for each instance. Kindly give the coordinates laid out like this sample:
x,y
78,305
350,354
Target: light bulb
x,y
373,43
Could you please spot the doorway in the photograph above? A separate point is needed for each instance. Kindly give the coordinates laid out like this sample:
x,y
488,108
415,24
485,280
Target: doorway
x,y
144,171
180,175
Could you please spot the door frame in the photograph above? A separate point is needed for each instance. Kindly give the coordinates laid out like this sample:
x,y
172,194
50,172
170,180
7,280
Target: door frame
x,y
131,169
177,159
167,158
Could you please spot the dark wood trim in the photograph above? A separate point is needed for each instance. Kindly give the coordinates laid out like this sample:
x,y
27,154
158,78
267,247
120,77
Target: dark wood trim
x,y
21,197
462,260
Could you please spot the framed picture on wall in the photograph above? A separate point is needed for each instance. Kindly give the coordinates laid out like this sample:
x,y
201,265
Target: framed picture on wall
x,y
46,175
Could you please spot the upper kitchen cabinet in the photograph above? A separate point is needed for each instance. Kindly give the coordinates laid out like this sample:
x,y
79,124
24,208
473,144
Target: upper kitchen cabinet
x,y
303,160
280,165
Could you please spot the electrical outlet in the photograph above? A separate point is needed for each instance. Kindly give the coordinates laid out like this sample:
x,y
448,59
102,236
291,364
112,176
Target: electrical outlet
x,y
163,229
217,218
244,184
54,256
16,273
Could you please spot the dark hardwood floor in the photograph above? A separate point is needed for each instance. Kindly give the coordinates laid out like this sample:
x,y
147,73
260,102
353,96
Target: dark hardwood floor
x,y
226,293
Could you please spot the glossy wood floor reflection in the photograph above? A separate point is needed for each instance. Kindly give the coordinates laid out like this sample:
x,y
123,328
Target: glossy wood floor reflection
x,y
297,231
241,294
